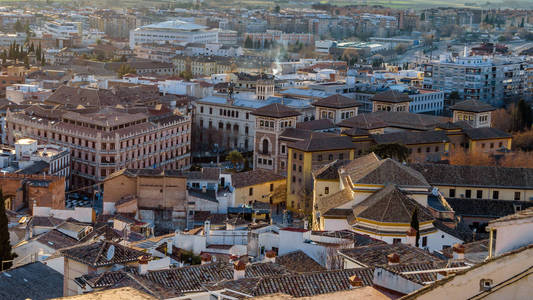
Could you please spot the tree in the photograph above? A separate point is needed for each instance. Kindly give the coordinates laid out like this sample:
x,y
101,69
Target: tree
x,y
6,255
277,9
125,69
501,119
248,43
26,62
18,26
235,157
453,97
416,225
395,151
522,116
43,60
187,75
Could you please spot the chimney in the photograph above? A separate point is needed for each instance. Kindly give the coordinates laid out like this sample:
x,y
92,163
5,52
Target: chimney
x,y
356,282
143,264
270,256
458,252
170,245
239,269
411,237
393,259
206,258
204,188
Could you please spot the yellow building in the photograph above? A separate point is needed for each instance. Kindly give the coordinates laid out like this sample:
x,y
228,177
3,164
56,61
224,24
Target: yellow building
x,y
306,156
390,101
258,186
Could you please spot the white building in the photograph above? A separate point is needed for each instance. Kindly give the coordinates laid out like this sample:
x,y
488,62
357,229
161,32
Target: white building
x,y
7,39
62,29
173,32
19,93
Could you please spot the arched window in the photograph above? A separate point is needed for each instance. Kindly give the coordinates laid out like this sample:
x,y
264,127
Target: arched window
x,y
265,146
235,127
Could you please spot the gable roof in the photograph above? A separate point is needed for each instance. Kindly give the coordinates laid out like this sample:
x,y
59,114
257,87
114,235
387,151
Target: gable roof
x,y
486,133
299,262
325,204
369,169
390,205
95,254
473,106
391,96
476,176
275,110
319,142
374,255
32,281
254,177
337,101
412,137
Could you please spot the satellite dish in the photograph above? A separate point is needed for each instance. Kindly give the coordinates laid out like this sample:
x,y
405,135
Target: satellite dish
x,y
110,252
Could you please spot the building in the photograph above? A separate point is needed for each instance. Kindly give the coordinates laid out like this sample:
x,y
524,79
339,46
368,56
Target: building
x,y
336,108
390,100
7,39
27,93
157,196
173,32
105,140
270,122
35,280
258,186
113,24
476,113
306,155
24,191
490,80
63,29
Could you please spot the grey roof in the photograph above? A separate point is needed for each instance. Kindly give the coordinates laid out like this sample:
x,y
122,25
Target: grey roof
x,y
473,106
369,169
412,137
523,214
404,120
318,142
275,110
391,96
56,240
37,167
486,208
31,281
96,254
376,254
299,262
321,124
329,171
476,176
486,133
254,177
390,205
337,101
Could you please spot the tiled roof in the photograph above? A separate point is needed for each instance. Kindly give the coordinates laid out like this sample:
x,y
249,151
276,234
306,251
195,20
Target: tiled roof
x,y
369,169
376,254
299,262
96,254
207,173
325,204
391,96
275,110
265,269
318,142
299,285
329,171
523,214
405,120
390,205
147,173
321,124
32,281
473,106
45,221
337,101
486,133
254,177
476,176
56,240
486,208
412,137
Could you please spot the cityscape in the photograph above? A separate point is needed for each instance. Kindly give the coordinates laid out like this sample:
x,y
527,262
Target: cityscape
x,y
266,149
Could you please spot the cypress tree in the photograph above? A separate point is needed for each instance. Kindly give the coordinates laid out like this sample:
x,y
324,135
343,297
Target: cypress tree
x,y
5,246
416,225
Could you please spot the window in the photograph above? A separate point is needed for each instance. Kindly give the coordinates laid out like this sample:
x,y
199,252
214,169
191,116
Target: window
x,y
468,193
341,156
320,157
293,178
485,284
282,148
425,241
294,155
495,195
326,190
479,194
300,169
265,146
201,109
271,187
330,157
210,110
301,157
294,167
517,195
396,241
251,191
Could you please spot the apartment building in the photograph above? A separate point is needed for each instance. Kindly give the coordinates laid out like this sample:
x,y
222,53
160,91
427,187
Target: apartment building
x,y
63,29
491,80
174,32
104,140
